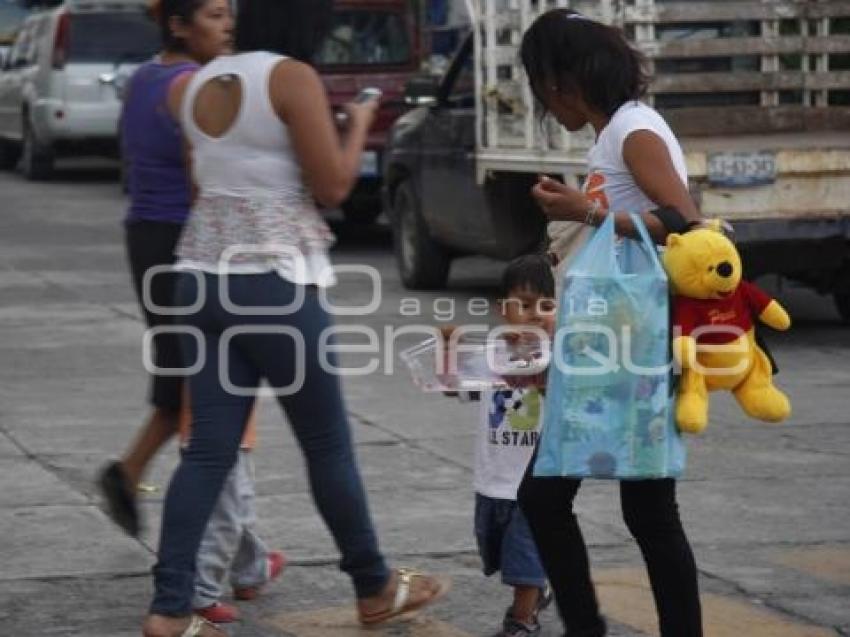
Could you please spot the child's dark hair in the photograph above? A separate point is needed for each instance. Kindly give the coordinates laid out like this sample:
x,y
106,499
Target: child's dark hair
x,y
164,10
574,54
532,272
295,28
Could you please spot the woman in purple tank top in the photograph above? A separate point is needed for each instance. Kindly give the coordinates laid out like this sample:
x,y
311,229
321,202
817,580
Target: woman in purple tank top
x,y
194,32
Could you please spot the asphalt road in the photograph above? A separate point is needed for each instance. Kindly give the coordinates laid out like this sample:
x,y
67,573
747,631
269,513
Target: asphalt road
x,y
765,506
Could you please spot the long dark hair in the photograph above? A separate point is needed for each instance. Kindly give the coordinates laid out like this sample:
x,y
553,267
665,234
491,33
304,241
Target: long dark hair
x,y
576,55
295,28
163,10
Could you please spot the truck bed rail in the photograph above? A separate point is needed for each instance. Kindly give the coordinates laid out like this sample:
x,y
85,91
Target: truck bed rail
x,y
720,67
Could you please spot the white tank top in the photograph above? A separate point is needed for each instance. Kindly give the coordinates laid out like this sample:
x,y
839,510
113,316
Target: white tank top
x,y
253,213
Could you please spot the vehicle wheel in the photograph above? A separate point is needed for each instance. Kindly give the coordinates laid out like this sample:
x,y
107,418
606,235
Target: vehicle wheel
x,y
842,302
36,159
422,262
10,153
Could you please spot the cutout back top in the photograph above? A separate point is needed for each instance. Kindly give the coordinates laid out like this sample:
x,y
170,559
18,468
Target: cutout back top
x,y
253,214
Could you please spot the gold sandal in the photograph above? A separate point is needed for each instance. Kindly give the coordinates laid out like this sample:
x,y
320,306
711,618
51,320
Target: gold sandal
x,y
402,605
197,625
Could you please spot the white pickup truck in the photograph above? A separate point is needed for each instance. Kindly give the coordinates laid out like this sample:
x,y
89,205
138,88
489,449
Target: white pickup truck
x,y
758,92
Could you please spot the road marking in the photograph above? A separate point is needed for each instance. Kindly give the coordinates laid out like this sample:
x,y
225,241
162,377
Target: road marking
x,y
625,596
831,564
342,622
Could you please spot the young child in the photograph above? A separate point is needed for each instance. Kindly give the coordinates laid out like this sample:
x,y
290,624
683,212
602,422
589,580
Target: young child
x,y
507,435
230,543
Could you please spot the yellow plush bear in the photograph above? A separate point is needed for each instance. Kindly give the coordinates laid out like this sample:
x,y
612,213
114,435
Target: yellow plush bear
x,y
714,340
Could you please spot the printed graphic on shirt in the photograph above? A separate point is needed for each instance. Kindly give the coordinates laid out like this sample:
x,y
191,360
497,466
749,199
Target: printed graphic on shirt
x,y
514,416
594,188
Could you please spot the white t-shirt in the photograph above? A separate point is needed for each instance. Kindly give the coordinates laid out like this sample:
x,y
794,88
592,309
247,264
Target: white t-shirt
x,y
609,180
507,435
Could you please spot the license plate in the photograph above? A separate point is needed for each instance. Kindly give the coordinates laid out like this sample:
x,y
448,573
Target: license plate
x,y
737,170
369,164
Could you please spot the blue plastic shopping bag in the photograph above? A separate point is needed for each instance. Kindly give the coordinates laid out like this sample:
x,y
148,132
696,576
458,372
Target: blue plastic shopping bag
x,y
609,403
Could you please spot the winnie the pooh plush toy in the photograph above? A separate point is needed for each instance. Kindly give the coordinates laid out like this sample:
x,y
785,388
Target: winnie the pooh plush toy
x,y
713,328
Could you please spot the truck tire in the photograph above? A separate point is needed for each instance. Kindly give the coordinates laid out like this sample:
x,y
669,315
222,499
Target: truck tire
x,y
10,153
422,263
36,159
842,303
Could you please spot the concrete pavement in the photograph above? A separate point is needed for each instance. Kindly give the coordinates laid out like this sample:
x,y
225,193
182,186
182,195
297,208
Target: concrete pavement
x,y
766,507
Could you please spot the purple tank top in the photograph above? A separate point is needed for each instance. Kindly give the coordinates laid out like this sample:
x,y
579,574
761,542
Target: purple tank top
x,y
152,147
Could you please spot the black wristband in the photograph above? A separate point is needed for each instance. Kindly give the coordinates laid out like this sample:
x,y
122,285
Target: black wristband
x,y
672,219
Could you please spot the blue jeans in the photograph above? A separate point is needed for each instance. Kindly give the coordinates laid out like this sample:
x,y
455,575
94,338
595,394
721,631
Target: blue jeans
x,y
316,411
505,543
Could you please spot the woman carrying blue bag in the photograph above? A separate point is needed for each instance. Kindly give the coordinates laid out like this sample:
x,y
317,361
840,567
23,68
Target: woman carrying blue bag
x,y
584,72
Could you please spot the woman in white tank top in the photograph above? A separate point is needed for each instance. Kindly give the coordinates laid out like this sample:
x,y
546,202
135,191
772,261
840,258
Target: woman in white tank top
x,y
263,148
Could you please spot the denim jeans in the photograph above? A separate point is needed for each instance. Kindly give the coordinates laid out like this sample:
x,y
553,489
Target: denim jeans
x,y
316,413
505,543
230,543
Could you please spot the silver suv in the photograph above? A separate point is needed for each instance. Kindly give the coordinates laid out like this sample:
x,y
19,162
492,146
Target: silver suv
x,y
60,83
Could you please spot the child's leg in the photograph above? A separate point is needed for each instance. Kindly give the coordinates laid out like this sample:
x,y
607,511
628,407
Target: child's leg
x,y
522,569
218,544
489,530
250,564
526,599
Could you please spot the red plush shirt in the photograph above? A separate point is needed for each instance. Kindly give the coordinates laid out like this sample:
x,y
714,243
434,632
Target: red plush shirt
x,y
734,312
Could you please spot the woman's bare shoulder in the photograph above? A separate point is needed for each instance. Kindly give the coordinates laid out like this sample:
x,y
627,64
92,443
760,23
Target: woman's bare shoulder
x,y
176,92
289,70
289,73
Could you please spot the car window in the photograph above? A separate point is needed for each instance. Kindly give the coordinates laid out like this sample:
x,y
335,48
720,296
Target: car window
x,y
12,15
366,37
458,88
462,92
112,38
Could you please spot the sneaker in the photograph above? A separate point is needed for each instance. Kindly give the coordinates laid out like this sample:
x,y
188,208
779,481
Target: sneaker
x,y
544,600
275,566
515,628
219,613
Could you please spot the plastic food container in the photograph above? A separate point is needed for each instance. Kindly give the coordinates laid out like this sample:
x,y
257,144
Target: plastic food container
x,y
477,365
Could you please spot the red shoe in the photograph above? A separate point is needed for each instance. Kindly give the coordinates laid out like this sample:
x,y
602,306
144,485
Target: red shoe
x,y
219,613
275,566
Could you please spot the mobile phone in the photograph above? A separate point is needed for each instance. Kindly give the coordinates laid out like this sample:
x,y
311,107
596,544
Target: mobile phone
x,y
368,95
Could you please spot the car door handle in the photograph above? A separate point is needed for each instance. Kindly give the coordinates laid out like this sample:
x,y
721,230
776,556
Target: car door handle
x,y
107,78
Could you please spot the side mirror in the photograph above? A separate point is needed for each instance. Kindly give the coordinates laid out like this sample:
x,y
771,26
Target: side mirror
x,y
422,91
